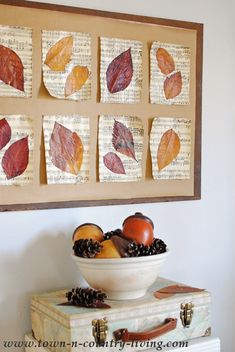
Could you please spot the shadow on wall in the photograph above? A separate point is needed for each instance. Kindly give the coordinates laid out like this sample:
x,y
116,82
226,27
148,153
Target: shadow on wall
x,y
46,265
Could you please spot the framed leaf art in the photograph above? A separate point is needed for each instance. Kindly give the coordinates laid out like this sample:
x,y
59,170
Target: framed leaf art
x,y
97,108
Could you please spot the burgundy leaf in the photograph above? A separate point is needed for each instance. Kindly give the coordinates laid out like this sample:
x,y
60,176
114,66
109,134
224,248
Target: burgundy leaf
x,y
16,158
114,163
11,68
123,140
66,149
120,72
5,133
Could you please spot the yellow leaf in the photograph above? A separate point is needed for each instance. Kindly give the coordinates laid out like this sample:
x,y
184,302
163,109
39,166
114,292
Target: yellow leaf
x,y
168,149
76,79
60,54
75,162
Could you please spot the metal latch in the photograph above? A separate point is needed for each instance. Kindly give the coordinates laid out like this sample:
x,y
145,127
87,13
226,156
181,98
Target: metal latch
x,y
186,314
100,330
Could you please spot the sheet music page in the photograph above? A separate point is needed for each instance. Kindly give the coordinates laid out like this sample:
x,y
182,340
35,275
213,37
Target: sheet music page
x,y
179,168
111,48
18,39
72,135
20,127
181,58
120,148
55,81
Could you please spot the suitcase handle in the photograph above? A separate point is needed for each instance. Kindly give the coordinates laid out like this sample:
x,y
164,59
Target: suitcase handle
x,y
125,335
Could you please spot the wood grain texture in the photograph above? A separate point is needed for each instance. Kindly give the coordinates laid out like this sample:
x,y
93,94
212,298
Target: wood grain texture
x,y
134,19
105,14
93,203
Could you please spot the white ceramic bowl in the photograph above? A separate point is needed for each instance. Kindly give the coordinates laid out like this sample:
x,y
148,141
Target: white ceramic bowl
x,y
122,278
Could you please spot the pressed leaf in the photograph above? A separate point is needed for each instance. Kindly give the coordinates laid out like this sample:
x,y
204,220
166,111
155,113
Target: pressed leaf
x,y
179,289
173,85
123,140
66,149
168,148
11,68
16,158
165,61
114,163
5,133
60,54
76,79
120,72
160,295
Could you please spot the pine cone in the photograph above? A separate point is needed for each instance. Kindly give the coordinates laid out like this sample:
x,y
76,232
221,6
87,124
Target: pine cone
x,y
158,246
86,248
138,250
86,297
108,235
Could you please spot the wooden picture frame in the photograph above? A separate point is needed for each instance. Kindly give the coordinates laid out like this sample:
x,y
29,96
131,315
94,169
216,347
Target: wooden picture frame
x,y
40,195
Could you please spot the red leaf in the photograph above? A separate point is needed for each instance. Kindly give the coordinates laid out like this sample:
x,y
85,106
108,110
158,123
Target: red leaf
x,y
123,140
66,149
11,68
114,163
120,72
5,133
16,158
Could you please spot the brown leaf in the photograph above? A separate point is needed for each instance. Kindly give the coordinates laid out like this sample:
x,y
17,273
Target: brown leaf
x,y
165,61
173,85
66,149
160,295
11,68
114,163
60,54
119,73
168,148
5,133
76,79
123,141
179,289
16,158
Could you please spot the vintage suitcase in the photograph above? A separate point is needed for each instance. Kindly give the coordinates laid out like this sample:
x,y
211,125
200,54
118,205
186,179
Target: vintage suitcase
x,y
204,344
129,325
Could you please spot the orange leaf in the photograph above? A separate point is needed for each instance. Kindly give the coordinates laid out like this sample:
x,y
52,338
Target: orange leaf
x,y
173,85
76,79
60,54
66,149
168,148
161,295
165,61
179,289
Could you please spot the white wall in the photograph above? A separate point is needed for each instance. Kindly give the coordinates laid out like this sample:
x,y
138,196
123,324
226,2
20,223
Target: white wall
x,y
35,246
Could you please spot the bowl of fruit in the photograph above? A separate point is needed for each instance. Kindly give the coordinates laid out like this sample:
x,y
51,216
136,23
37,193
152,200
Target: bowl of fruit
x,y
125,262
